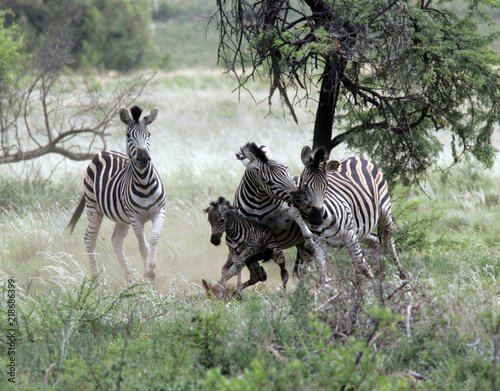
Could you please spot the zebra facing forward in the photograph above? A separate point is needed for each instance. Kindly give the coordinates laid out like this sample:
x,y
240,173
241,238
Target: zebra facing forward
x,y
248,242
127,189
347,200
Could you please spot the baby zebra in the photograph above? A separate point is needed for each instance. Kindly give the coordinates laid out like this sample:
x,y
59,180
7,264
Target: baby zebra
x,y
248,242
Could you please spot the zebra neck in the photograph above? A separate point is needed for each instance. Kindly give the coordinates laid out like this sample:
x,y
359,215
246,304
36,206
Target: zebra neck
x,y
231,223
252,195
142,178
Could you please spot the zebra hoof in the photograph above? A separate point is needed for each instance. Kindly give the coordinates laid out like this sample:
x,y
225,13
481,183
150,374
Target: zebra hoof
x,y
150,276
309,247
237,296
262,274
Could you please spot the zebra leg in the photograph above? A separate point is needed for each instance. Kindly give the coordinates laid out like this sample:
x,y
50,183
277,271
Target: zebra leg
x,y
143,246
255,274
295,215
239,263
351,242
94,220
373,241
228,271
154,239
279,258
320,259
304,258
117,239
385,224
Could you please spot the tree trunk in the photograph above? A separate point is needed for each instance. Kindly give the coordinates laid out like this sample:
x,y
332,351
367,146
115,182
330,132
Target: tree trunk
x,y
328,98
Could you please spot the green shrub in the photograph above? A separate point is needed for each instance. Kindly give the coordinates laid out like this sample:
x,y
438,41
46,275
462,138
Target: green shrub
x,y
118,35
16,193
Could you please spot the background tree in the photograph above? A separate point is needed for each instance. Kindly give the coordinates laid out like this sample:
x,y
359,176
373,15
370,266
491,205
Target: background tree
x,y
390,73
111,34
45,107
118,35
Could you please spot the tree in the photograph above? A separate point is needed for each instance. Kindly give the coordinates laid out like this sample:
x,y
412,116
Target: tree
x,y
46,108
111,34
390,73
118,34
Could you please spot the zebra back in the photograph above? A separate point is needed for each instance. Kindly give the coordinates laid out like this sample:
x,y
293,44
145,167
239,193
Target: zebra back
x,y
360,184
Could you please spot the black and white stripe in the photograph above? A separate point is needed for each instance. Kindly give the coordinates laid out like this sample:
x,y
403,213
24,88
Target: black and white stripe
x,y
264,196
248,242
348,199
127,189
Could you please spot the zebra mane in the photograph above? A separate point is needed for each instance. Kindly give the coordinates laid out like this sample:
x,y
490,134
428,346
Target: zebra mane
x,y
253,149
136,112
220,201
318,156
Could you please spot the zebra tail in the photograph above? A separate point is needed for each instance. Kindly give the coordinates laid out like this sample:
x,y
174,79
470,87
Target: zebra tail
x,y
76,214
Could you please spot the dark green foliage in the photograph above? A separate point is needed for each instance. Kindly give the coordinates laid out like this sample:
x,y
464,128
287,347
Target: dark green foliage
x,y
411,225
11,53
389,74
118,35
113,34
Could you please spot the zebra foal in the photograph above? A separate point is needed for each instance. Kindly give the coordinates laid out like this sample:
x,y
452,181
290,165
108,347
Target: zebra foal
x,y
347,200
127,189
248,242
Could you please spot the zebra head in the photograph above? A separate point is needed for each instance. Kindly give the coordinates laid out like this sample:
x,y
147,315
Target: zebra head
x,y
313,180
216,212
270,175
138,135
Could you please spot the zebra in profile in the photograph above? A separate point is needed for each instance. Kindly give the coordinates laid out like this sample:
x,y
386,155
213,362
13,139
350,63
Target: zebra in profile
x,y
248,242
264,196
347,200
127,189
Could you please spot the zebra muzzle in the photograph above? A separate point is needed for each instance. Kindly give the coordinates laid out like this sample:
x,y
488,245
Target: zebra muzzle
x,y
315,216
143,158
215,239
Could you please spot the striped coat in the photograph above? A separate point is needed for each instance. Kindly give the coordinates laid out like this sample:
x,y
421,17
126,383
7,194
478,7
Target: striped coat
x,y
347,201
126,189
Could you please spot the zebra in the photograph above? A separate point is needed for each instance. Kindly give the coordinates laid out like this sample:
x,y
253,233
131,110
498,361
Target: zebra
x,y
347,200
264,195
127,189
248,242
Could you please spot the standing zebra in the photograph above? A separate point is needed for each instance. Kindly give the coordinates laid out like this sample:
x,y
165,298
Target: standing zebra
x,y
248,242
127,189
347,201
264,194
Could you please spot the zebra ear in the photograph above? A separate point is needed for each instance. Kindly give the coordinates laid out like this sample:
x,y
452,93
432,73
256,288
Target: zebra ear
x,y
332,165
124,116
151,116
248,159
250,163
306,155
267,151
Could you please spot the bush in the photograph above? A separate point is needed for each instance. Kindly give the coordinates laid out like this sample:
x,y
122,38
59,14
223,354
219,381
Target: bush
x,y
115,34
118,35
11,52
